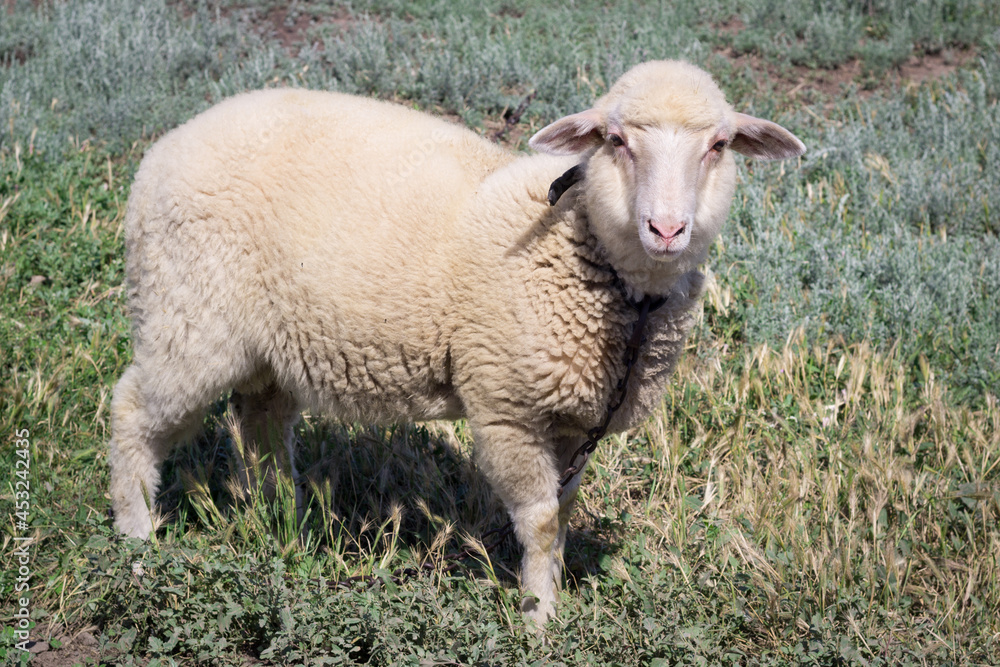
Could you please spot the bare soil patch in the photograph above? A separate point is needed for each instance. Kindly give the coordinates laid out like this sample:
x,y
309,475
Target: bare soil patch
x,y
292,28
934,66
832,83
21,53
76,648
8,5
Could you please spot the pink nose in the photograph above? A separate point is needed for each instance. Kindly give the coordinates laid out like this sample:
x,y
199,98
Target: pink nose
x,y
666,230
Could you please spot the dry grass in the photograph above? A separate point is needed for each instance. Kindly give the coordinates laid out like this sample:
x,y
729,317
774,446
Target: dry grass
x,y
815,471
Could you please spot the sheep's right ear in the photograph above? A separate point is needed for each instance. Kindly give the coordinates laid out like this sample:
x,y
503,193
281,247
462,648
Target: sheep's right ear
x,y
570,135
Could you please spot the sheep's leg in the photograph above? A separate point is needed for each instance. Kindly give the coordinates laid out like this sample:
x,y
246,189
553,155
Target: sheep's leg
x,y
148,418
565,449
261,419
520,466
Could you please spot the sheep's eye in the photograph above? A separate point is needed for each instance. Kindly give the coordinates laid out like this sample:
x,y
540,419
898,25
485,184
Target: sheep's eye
x,y
718,146
616,140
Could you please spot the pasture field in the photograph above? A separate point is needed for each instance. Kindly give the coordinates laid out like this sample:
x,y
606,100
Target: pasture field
x,y
821,485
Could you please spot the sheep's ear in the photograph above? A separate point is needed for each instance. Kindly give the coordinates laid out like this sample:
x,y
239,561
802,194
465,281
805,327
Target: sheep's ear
x,y
570,135
764,140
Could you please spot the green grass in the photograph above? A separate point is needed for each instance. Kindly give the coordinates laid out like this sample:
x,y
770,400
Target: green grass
x,y
821,486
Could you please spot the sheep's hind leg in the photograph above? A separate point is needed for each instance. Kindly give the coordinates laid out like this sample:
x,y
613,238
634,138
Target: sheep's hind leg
x,y
261,419
149,416
520,466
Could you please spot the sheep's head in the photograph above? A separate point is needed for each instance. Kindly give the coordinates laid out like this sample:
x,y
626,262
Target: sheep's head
x,y
660,174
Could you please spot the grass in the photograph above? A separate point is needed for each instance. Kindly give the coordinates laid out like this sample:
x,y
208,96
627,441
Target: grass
x,y
821,485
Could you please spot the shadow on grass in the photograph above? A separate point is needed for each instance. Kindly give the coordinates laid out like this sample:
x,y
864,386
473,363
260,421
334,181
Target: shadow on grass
x,y
586,551
409,492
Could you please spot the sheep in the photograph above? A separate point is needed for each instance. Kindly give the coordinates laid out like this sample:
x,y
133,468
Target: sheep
x,y
314,250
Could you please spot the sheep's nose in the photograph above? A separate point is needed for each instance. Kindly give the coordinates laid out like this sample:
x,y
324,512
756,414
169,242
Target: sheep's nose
x,y
665,229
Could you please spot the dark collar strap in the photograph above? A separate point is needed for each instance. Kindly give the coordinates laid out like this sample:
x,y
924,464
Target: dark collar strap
x,y
654,303
650,303
564,183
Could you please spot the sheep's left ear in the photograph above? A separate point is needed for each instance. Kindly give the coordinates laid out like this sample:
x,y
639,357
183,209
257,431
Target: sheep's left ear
x,y
570,135
764,140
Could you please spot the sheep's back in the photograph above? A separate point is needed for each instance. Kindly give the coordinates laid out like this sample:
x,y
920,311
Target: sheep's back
x,y
320,226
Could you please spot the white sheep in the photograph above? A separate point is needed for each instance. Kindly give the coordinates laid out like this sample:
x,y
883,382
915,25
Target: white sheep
x,y
313,250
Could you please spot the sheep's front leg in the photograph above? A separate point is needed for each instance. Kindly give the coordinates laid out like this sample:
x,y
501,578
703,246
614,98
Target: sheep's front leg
x,y
520,465
565,449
